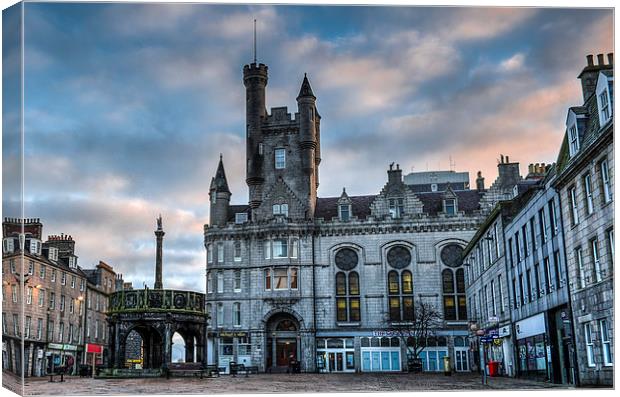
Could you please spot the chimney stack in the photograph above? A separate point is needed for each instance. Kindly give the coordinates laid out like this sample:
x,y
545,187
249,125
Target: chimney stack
x,y
480,182
590,59
610,58
601,59
589,74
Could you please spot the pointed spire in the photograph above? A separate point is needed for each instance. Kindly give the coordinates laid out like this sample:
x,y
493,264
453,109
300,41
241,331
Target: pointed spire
x,y
305,90
219,182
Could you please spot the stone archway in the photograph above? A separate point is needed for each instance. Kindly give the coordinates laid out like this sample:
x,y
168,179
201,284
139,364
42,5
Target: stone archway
x,y
283,341
150,345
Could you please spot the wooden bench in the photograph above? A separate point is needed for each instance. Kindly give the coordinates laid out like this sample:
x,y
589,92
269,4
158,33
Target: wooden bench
x,y
185,369
210,370
240,368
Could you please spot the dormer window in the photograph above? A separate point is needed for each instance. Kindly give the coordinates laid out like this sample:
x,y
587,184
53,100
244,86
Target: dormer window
x,y
573,137
344,212
280,159
604,87
280,209
241,217
397,207
8,245
450,206
53,254
515,191
433,187
72,262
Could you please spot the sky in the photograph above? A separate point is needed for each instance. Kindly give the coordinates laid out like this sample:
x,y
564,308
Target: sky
x,y
128,106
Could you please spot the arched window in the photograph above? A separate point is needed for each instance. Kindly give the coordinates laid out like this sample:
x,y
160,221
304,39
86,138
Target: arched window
x,y
400,295
347,296
454,301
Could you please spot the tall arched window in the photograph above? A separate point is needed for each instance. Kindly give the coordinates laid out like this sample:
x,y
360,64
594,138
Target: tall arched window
x,y
454,301
400,295
347,296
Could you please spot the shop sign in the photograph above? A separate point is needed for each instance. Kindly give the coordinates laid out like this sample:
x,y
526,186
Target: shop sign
x,y
134,361
531,326
232,334
493,319
69,347
91,348
392,333
504,331
39,353
56,346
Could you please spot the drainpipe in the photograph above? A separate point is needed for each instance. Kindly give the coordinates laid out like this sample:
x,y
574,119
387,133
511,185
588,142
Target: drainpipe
x,y
314,302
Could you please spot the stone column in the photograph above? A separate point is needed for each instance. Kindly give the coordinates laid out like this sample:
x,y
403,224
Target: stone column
x,y
167,345
159,233
189,350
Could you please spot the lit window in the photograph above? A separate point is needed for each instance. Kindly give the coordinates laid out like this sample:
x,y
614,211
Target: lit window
x,y
589,344
400,295
280,158
347,297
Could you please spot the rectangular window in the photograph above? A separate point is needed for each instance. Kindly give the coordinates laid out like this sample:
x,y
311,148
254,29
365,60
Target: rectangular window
x,y
558,272
396,207
220,282
241,217
587,190
237,251
209,283
293,278
12,265
510,253
30,267
607,193
548,275
220,252
280,276
518,247
604,103
82,283
580,268
530,290
42,272
596,260
543,225
572,197
237,314
15,324
526,251
220,315
29,296
344,212
341,309
537,287
237,285
501,293
267,249
209,253
605,343
496,240
52,301
27,327
553,222
4,327
294,249
70,334
521,289
450,206
587,329
267,276
63,278
71,305
610,241
573,137
280,158
280,248
96,329
72,281
53,275
62,303
50,331
514,293
493,298
39,328
533,233
61,332
41,297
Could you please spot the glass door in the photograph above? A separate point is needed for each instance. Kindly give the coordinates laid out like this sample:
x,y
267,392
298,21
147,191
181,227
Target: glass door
x,y
461,360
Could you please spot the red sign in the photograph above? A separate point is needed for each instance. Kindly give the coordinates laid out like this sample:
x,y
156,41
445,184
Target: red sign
x,y
90,348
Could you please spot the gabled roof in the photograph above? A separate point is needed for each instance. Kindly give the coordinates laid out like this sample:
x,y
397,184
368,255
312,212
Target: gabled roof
x,y
467,201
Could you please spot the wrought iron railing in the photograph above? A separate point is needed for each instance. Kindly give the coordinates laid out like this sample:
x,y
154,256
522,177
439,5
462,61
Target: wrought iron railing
x,y
157,300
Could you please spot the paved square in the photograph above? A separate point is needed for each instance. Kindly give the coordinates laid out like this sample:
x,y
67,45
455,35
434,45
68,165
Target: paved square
x,y
270,383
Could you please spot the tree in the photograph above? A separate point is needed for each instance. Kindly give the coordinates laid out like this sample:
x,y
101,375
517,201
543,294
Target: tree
x,y
413,333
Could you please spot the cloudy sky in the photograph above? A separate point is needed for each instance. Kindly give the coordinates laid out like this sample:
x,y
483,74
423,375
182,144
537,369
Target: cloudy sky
x,y
128,106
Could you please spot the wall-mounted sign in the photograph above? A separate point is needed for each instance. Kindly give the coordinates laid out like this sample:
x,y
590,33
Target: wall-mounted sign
x,y
504,331
531,326
232,334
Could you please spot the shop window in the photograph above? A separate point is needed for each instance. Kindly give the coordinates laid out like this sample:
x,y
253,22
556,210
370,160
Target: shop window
x,y
244,345
226,346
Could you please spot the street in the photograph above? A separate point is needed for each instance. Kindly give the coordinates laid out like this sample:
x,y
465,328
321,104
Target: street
x,y
270,383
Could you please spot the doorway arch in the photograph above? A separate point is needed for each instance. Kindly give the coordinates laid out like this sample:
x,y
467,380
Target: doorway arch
x,y
283,341
150,344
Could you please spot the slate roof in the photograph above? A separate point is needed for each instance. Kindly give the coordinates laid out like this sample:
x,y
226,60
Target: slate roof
x,y
233,209
468,201
327,207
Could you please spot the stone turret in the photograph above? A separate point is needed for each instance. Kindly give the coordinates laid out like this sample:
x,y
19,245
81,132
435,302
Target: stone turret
x,y
255,81
306,104
219,195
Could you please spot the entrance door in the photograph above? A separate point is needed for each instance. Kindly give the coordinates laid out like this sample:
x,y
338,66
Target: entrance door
x,y
286,350
461,360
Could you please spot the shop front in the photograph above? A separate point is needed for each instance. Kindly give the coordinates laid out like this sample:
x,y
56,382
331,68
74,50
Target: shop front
x,y
533,348
335,354
433,354
380,354
233,346
507,347
61,358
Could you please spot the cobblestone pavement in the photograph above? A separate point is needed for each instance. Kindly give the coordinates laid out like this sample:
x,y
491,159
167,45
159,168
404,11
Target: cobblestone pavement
x,y
269,383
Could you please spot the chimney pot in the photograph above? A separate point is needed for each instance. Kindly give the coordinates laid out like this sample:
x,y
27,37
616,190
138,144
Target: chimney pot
x,y
507,160
590,59
601,59
610,58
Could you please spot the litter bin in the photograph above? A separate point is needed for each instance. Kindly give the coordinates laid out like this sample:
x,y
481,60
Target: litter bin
x,y
447,371
493,368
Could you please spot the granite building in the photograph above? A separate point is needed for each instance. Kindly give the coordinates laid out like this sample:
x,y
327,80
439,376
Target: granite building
x,y
585,185
324,281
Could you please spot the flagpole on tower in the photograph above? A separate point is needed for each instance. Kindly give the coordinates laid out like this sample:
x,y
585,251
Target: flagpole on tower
x,y
255,41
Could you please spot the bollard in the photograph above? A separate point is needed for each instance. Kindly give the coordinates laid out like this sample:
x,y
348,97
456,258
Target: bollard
x,y
447,371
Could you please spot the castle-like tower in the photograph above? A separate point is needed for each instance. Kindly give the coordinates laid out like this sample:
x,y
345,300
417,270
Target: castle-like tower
x,y
282,155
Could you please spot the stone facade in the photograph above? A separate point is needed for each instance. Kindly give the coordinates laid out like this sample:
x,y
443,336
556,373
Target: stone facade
x,y
324,281
585,184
